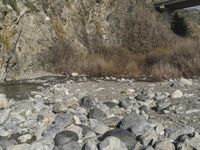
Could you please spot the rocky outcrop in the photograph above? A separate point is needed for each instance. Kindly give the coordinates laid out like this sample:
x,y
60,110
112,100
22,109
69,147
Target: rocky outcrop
x,y
30,28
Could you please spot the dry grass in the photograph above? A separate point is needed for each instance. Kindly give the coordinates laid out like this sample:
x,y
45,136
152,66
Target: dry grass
x,y
105,62
5,39
182,60
159,64
148,48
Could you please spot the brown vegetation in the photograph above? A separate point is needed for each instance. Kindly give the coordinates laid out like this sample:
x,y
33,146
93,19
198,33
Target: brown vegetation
x,y
149,48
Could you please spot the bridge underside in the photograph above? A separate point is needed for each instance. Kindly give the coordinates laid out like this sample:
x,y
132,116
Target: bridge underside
x,y
172,5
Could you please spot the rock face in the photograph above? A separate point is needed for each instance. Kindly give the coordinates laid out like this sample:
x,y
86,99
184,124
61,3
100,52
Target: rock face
x,y
29,29
83,23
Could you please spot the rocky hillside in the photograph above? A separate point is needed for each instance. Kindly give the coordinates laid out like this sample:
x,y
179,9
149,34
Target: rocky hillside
x,y
90,37
29,29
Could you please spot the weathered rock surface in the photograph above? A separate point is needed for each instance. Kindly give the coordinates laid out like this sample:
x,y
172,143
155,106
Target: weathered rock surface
x,y
33,124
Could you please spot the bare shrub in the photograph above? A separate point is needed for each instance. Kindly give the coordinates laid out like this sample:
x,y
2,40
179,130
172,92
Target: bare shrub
x,y
108,61
145,31
162,71
182,60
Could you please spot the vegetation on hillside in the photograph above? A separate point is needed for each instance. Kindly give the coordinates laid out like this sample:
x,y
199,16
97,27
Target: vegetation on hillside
x,y
149,48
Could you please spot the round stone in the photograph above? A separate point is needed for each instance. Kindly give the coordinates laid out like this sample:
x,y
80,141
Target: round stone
x,y
65,137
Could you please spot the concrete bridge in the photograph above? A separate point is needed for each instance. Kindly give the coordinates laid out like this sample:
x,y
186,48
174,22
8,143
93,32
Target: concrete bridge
x,y
172,5
168,7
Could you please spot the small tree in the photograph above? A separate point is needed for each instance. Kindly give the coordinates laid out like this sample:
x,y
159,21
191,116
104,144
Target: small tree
x,y
179,25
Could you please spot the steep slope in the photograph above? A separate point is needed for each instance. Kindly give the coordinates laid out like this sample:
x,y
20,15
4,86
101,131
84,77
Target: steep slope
x,y
30,28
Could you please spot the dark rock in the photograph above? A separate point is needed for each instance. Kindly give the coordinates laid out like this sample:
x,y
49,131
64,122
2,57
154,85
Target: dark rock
x,y
131,120
65,137
144,108
96,113
125,136
87,102
140,97
125,103
85,129
110,104
64,119
162,105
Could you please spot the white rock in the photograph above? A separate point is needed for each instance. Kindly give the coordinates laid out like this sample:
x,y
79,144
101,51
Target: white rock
x,y
65,105
185,81
74,74
3,101
76,120
4,115
177,94
112,143
24,138
18,147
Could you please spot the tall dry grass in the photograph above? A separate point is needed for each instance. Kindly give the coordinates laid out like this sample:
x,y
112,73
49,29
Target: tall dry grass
x,y
182,60
148,48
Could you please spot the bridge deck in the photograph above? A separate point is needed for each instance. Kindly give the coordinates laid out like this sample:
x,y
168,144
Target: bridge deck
x,y
176,4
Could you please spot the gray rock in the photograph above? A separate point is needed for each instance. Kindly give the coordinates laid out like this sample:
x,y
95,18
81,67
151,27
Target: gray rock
x,y
149,138
165,144
98,127
110,104
61,121
140,97
112,122
20,147
96,113
65,137
144,108
125,136
85,129
4,114
149,148
162,105
174,134
42,144
69,146
136,123
65,105
112,143
86,102
189,143
125,103
90,145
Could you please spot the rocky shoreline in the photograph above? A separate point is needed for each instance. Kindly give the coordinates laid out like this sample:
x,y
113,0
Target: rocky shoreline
x,y
116,114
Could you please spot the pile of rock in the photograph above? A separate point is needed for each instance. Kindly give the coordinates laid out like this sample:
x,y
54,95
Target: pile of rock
x,y
52,119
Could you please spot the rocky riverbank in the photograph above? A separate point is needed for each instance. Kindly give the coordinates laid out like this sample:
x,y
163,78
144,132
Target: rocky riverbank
x,y
105,114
